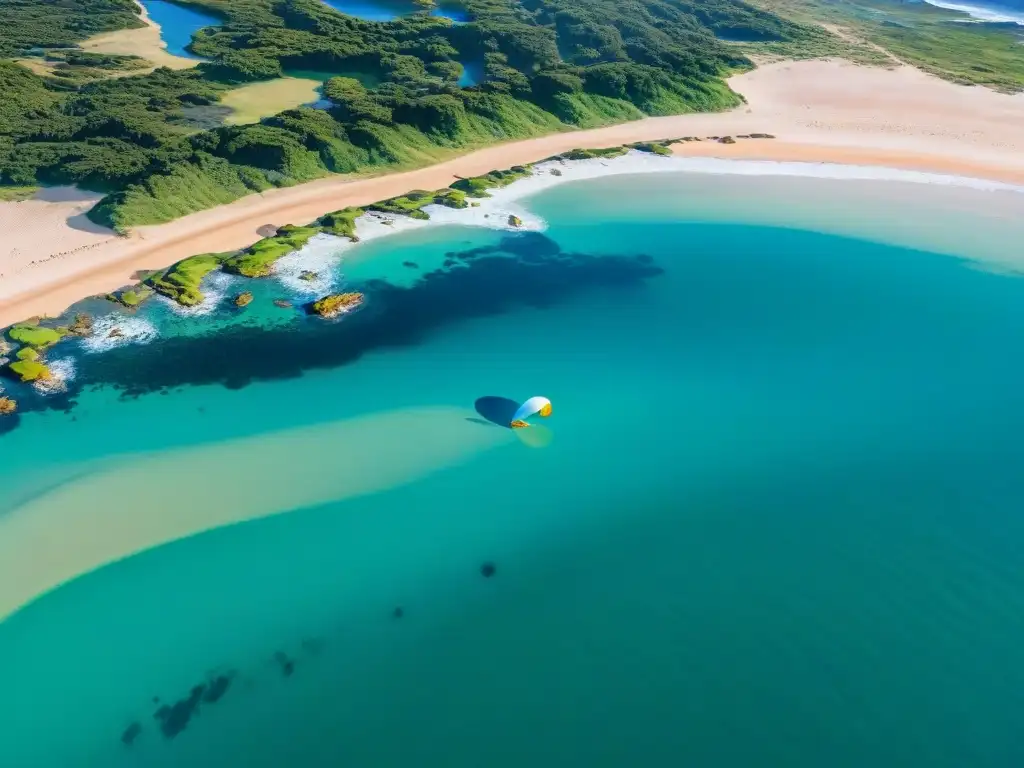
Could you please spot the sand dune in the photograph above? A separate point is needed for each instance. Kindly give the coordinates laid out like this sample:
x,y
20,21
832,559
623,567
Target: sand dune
x,y
820,111
142,41
306,466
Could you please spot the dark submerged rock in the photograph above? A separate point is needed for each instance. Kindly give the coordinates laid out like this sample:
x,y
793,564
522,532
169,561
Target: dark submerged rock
x,y
175,718
217,687
287,665
488,569
410,264
398,613
130,734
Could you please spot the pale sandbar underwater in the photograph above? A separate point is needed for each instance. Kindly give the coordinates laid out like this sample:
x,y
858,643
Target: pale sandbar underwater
x,y
776,520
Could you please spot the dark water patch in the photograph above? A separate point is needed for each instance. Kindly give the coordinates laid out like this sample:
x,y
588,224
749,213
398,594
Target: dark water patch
x,y
284,663
496,410
488,569
131,733
216,689
398,613
410,264
522,270
203,117
9,423
538,275
174,718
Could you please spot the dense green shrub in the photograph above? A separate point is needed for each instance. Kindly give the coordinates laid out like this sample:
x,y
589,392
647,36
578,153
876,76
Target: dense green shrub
x,y
547,65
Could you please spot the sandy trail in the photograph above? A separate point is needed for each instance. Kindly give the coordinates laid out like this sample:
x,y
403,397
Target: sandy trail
x,y
821,111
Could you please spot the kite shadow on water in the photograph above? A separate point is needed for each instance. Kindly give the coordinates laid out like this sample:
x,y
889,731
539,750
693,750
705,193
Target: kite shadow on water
x,y
495,410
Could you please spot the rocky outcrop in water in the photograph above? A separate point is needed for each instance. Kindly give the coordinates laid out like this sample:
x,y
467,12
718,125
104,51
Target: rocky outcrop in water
x,y
243,299
131,733
336,304
82,326
514,221
8,406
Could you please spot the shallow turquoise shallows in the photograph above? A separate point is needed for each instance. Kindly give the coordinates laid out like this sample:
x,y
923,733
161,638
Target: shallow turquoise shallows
x,y
775,518
178,24
389,10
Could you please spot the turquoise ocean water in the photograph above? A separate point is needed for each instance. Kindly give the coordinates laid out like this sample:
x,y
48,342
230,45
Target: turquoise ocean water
x,y
774,519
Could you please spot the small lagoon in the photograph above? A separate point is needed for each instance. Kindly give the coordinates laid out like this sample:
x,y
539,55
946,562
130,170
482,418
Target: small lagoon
x,y
178,24
472,74
389,10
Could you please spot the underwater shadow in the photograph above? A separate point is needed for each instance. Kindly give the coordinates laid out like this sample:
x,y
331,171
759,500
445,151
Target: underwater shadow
x,y
496,410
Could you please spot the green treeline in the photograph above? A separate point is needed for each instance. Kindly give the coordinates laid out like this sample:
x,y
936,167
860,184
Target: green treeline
x,y
548,65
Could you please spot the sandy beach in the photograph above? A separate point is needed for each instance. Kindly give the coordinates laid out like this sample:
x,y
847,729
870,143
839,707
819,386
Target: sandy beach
x,y
819,111
142,41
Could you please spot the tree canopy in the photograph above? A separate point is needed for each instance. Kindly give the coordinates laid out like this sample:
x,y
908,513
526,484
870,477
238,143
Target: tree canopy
x,y
145,139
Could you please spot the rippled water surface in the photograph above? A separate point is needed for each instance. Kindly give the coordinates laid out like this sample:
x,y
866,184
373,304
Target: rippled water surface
x,y
774,518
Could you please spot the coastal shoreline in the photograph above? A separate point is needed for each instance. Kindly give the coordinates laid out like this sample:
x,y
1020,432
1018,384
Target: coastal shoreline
x,y
145,42
812,124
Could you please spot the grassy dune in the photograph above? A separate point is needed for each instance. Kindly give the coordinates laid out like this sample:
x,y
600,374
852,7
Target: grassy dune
x,y
254,101
886,32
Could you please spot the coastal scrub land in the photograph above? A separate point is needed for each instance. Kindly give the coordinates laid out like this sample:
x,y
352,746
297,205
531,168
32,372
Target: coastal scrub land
x,y
147,143
942,42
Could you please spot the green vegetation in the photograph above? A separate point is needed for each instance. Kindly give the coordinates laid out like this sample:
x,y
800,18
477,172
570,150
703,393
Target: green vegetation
x,y
252,102
35,335
341,223
181,282
27,353
29,26
13,194
653,147
889,31
152,142
412,204
31,370
257,260
335,304
590,154
477,186
131,297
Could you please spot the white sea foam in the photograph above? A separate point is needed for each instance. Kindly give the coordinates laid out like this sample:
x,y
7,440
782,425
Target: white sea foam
x,y
320,256
133,330
324,253
62,372
373,224
635,162
983,13
493,212
215,288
